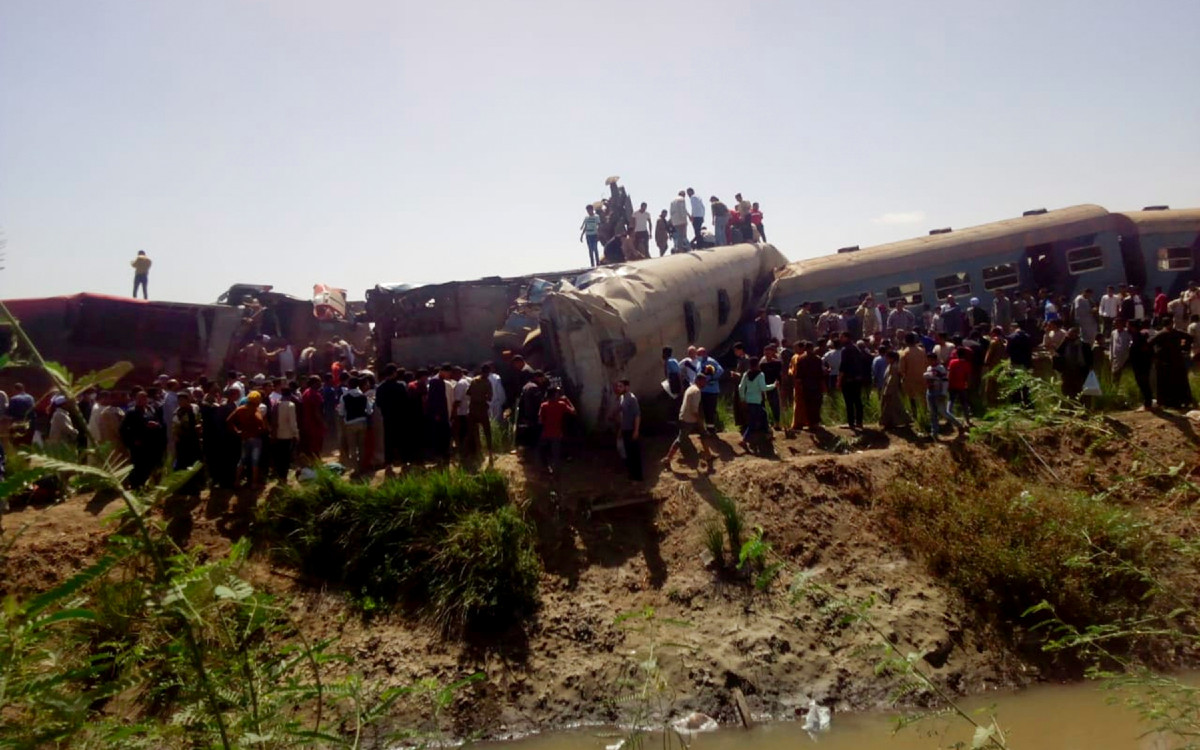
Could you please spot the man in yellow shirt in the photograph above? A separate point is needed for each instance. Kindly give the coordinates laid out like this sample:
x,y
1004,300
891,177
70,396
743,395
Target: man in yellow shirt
x,y
141,273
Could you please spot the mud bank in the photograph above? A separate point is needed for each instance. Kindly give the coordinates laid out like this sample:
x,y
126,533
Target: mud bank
x,y
573,661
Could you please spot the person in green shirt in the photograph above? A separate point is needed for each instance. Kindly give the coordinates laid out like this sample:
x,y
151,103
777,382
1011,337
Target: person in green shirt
x,y
752,390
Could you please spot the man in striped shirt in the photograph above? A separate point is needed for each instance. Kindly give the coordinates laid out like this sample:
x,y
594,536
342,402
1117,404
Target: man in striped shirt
x,y
590,229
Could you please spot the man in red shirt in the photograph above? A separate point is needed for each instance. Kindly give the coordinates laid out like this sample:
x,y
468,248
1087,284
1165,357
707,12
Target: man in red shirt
x,y
551,415
1162,307
959,376
756,220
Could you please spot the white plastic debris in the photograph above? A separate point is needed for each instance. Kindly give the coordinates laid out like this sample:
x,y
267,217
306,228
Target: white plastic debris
x,y
616,745
818,717
694,723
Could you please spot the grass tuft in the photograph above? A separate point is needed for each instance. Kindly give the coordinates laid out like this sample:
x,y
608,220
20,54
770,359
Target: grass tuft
x,y
448,543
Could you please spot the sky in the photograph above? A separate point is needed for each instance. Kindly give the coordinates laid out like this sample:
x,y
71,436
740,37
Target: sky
x,y
294,142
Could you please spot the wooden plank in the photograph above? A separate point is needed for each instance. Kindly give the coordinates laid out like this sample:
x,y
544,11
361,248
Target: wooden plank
x,y
743,710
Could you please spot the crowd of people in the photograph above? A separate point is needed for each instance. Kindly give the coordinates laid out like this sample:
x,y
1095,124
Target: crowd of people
x,y
934,363
669,230
301,408
245,429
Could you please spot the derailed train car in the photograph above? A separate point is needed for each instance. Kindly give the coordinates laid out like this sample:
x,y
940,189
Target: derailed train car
x,y
616,327
1063,251
89,332
465,322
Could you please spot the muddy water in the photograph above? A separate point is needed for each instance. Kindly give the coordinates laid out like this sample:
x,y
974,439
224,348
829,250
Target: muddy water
x,y
1076,717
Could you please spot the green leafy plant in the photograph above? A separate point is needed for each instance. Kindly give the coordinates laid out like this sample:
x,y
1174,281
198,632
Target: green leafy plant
x,y
449,543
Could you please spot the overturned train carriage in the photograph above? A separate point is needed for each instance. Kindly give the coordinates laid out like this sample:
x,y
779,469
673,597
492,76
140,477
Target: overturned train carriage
x,y
465,322
616,328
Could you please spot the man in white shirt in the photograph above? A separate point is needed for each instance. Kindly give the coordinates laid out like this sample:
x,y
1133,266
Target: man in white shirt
x,y
285,430
1110,308
679,219
697,211
462,405
641,231
775,325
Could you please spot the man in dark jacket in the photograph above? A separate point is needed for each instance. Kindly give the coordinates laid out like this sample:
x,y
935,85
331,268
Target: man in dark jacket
x,y
853,375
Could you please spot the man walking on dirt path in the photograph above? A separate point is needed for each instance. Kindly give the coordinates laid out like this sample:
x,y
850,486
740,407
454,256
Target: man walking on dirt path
x,y
141,273
691,422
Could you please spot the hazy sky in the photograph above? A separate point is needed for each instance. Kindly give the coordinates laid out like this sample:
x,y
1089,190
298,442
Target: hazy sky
x,y
354,142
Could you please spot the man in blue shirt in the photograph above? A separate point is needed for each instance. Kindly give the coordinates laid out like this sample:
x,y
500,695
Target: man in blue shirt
x,y
674,377
711,393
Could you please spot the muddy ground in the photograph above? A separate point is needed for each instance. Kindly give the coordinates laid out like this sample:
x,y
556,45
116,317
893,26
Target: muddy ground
x,y
572,662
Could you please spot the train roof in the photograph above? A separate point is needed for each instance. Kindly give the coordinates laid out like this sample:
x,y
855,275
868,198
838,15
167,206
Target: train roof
x,y
972,242
1165,220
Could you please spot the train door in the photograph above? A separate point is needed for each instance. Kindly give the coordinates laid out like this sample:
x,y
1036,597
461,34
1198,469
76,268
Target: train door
x,y
1042,267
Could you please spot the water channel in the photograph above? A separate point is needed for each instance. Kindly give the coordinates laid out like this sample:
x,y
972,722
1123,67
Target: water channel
x,y
1071,717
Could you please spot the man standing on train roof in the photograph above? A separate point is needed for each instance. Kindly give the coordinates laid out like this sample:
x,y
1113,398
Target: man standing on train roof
x,y
720,214
679,220
662,233
590,230
697,211
756,219
141,273
641,230
1110,310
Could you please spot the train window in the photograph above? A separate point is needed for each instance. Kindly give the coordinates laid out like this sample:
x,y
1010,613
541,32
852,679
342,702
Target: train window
x,y
849,302
1084,259
955,283
723,307
1003,276
910,293
1175,259
689,320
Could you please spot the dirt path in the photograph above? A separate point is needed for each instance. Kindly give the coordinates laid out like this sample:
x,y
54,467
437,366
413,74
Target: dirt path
x,y
569,663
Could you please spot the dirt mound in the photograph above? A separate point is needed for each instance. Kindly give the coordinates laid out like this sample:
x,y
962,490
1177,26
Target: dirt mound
x,y
571,661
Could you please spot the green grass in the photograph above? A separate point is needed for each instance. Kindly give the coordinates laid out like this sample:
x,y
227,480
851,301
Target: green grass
x,y
1006,546
448,544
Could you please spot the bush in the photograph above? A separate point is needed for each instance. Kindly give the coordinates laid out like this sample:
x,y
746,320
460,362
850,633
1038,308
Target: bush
x,y
1006,546
448,543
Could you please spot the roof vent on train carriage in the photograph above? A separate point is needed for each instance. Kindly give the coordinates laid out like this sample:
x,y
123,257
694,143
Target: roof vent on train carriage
x,y
1157,208
943,230
1034,212
851,249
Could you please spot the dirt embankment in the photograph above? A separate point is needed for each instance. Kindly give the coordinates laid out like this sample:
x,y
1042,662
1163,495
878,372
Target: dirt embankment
x,y
570,663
